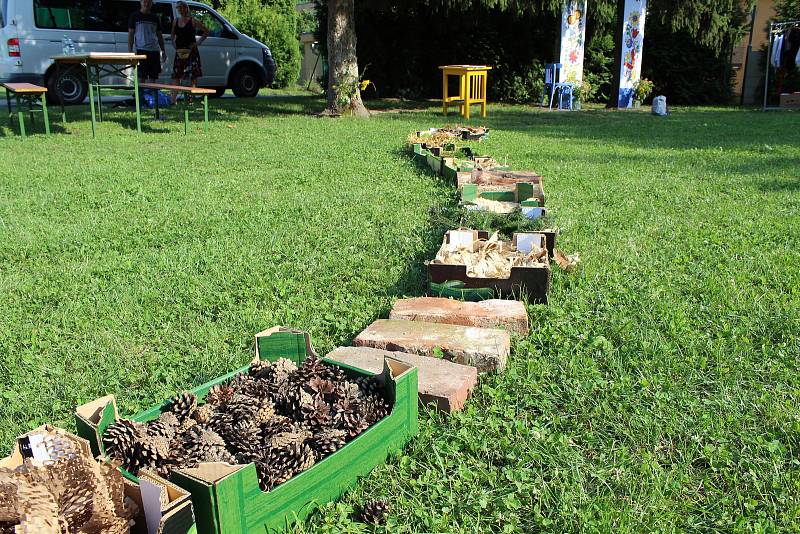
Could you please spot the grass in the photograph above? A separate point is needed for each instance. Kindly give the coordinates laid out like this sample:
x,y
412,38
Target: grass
x,y
658,392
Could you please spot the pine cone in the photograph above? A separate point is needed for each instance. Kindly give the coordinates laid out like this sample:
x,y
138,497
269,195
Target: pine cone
x,y
292,404
282,464
347,390
219,394
257,366
242,383
183,404
375,408
347,416
186,424
288,438
314,367
120,437
204,413
322,387
164,427
327,442
152,451
369,385
317,414
375,512
245,438
201,445
276,425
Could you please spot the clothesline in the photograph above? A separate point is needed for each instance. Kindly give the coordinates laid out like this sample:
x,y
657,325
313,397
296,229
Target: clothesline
x,y
775,50
779,26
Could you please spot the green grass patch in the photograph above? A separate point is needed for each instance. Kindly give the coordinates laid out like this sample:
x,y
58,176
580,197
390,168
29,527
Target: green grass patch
x,y
659,391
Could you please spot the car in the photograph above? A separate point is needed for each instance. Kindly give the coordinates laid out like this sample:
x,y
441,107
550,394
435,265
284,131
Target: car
x,y
33,31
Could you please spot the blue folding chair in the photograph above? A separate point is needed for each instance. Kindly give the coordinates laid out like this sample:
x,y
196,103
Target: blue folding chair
x,y
551,83
550,80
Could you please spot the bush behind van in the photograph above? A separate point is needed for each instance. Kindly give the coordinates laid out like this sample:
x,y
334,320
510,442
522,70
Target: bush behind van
x,y
32,31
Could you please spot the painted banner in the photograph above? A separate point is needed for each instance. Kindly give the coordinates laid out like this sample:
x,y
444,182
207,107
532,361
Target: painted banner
x,y
631,60
573,34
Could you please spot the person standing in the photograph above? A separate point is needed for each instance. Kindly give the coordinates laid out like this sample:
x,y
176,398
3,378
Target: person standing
x,y
184,37
145,37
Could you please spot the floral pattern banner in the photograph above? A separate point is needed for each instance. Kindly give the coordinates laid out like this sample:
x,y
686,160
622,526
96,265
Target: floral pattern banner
x,y
573,35
632,38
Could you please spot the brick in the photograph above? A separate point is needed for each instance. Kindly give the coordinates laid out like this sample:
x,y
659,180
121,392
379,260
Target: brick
x,y
446,385
486,349
509,315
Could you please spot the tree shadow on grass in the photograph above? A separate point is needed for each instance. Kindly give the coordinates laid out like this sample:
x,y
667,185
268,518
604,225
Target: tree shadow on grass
x,y
683,129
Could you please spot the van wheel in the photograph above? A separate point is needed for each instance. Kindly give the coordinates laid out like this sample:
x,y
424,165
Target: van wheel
x,y
246,82
71,83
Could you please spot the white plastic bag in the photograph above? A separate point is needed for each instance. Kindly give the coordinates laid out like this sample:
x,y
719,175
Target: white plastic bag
x,y
660,106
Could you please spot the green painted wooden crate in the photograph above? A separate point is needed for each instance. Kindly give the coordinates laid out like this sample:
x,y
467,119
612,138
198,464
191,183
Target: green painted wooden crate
x,y
227,498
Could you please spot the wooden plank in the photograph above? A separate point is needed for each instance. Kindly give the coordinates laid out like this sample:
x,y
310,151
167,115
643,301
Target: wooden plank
x,y
28,88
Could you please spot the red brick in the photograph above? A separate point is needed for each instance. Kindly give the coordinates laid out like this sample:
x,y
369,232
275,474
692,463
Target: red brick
x,y
509,315
486,349
446,385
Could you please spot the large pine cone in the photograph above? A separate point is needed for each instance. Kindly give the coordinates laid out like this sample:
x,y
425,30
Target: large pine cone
x,y
317,414
183,404
290,437
281,464
120,437
375,408
327,442
245,438
152,451
369,385
313,367
375,512
219,394
347,416
204,413
258,366
165,426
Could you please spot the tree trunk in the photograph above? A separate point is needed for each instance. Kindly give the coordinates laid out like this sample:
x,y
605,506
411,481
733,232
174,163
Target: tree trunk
x,y
342,61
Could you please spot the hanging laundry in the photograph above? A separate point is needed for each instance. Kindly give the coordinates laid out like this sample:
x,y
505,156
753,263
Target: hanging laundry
x,y
777,48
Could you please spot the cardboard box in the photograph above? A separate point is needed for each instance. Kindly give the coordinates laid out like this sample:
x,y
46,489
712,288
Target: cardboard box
x,y
163,507
790,100
227,498
498,177
534,282
523,193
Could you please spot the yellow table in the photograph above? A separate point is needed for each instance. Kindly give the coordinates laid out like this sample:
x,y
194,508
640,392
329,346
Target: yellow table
x,y
472,87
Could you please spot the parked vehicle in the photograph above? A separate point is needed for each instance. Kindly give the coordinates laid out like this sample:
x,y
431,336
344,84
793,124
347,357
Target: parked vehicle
x,y
32,31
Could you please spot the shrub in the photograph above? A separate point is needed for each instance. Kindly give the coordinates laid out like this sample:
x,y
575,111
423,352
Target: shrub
x,y
273,22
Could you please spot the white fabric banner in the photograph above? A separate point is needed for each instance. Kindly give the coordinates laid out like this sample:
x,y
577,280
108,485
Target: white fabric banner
x,y
573,35
632,39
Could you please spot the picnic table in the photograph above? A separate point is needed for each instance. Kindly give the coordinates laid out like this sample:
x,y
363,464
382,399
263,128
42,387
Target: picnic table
x,y
99,65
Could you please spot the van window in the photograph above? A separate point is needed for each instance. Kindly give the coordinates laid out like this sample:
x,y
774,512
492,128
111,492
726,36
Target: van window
x,y
122,11
105,15
71,14
216,28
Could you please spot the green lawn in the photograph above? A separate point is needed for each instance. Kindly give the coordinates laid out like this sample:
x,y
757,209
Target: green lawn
x,y
658,392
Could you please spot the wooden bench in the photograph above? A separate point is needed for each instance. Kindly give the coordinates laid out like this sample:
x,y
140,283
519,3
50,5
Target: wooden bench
x,y
189,92
30,95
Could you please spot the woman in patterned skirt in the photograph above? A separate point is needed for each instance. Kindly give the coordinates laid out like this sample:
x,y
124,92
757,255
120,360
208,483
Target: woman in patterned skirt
x,y
187,58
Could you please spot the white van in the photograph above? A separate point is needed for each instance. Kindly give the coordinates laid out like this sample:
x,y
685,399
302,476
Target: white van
x,y
32,31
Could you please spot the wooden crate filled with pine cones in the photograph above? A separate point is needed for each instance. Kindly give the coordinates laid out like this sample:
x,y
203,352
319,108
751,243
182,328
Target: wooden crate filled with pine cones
x,y
262,446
